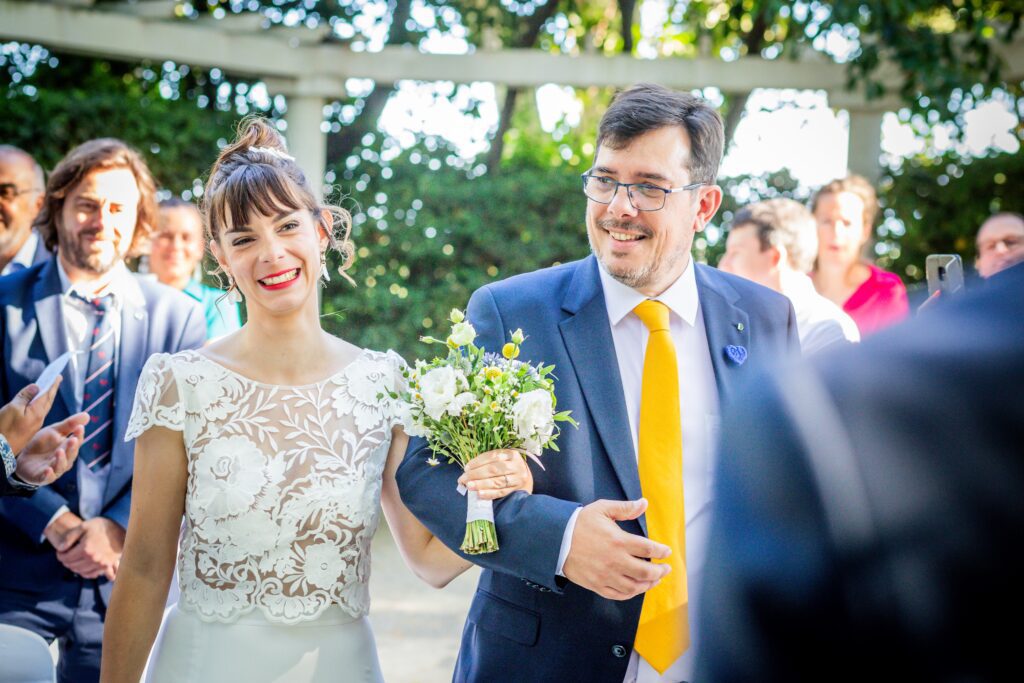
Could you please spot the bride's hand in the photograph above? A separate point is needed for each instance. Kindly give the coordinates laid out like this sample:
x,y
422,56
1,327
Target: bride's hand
x,y
496,474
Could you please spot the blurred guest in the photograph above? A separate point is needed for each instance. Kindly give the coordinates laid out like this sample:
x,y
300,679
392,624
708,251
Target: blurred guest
x,y
1000,243
21,196
845,210
34,457
868,516
61,545
175,254
774,244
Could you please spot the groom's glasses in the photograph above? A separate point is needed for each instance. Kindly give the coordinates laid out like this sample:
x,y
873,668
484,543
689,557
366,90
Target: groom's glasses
x,y
642,196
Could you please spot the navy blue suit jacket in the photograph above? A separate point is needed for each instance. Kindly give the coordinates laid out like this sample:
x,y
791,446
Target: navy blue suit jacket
x,y
525,624
32,333
880,539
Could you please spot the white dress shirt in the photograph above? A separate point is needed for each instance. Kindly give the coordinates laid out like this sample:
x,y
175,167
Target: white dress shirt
x,y
819,322
23,259
698,395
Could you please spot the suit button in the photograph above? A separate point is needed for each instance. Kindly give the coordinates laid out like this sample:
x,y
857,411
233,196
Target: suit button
x,y
619,651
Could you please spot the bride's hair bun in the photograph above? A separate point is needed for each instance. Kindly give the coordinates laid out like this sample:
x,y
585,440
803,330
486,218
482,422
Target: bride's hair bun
x,y
256,138
256,174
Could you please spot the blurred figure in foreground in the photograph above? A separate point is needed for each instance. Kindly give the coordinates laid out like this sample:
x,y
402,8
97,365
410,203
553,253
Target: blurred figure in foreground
x,y
1000,243
868,515
175,254
845,210
774,244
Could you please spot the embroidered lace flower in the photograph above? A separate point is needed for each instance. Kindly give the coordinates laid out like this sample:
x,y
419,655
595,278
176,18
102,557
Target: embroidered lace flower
x,y
284,483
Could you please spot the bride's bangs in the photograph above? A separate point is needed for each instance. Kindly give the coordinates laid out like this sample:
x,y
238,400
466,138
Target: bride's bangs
x,y
254,189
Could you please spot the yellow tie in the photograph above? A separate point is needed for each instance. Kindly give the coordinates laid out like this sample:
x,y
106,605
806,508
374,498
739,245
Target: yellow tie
x,y
664,631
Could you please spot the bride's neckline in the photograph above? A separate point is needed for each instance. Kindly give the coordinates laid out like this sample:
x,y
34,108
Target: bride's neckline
x,y
310,385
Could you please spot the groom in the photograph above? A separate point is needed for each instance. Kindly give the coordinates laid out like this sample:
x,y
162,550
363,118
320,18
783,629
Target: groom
x,y
592,583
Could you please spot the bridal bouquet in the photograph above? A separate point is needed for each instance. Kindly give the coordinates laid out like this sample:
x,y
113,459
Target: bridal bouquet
x,y
472,401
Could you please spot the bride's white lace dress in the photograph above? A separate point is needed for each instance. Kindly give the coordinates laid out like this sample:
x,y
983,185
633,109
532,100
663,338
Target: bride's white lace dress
x,y
282,501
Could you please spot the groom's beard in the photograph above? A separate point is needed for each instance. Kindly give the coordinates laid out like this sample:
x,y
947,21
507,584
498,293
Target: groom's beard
x,y
639,276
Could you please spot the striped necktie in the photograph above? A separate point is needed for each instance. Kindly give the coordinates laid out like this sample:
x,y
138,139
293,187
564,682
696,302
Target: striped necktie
x,y
98,392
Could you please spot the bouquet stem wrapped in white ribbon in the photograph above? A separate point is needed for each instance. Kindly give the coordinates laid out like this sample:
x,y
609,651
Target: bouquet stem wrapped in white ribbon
x,y
473,401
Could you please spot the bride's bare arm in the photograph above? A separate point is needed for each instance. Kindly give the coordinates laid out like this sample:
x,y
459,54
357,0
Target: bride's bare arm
x,y
493,475
140,592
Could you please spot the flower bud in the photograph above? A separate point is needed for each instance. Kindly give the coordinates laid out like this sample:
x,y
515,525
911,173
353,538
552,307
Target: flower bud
x,y
510,351
456,316
462,334
518,337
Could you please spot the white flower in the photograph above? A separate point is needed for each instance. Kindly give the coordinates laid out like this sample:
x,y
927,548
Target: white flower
x,y
462,334
439,388
230,473
412,426
533,445
533,417
466,398
323,565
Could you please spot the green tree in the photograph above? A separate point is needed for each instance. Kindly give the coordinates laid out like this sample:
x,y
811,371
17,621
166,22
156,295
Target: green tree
x,y
936,205
175,115
426,241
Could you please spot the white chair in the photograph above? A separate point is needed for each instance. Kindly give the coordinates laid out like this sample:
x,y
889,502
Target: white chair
x,y
24,657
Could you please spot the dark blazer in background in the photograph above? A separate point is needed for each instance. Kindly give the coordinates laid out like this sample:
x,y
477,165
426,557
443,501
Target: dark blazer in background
x,y
882,540
524,624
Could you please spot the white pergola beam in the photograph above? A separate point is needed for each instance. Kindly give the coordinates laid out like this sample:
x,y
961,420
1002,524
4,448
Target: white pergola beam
x,y
270,54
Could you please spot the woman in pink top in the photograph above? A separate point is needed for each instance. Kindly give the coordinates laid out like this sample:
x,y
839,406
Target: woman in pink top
x,y
845,211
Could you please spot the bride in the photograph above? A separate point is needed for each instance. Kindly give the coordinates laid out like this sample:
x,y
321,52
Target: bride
x,y
276,443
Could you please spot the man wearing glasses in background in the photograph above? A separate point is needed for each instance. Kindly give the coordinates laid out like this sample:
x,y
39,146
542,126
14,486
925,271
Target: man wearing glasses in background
x,y
21,197
647,345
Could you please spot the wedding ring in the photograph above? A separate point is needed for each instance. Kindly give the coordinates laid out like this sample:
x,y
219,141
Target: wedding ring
x,y
507,484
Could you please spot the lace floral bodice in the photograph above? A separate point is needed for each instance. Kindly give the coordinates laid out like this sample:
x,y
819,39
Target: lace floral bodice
x,y
283,482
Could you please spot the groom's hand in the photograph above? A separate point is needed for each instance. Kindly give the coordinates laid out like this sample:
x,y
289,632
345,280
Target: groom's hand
x,y
609,561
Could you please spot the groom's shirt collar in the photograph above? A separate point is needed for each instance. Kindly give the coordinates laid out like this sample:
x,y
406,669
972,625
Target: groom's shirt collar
x,y
680,297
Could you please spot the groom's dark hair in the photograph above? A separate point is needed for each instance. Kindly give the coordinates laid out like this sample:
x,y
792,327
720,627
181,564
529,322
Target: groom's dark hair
x,y
646,107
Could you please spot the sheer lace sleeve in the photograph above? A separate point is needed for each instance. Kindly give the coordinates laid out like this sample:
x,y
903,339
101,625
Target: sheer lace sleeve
x,y
157,401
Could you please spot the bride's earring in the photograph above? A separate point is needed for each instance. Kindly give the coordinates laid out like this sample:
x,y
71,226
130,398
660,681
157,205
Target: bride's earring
x,y
234,295
325,272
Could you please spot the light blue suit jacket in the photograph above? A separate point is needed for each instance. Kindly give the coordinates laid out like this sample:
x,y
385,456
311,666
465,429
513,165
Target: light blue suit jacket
x,y
526,624
32,332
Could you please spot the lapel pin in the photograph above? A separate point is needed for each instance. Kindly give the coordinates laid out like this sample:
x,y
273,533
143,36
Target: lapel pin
x,y
739,326
737,354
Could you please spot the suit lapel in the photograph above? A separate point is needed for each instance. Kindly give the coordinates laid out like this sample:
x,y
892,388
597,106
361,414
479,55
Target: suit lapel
x,y
588,340
42,253
725,325
50,321
131,358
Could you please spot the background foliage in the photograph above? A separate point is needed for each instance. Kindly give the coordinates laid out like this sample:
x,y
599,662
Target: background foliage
x,y
431,226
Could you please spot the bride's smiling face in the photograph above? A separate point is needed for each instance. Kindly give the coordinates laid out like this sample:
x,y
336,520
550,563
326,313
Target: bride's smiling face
x,y
274,260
